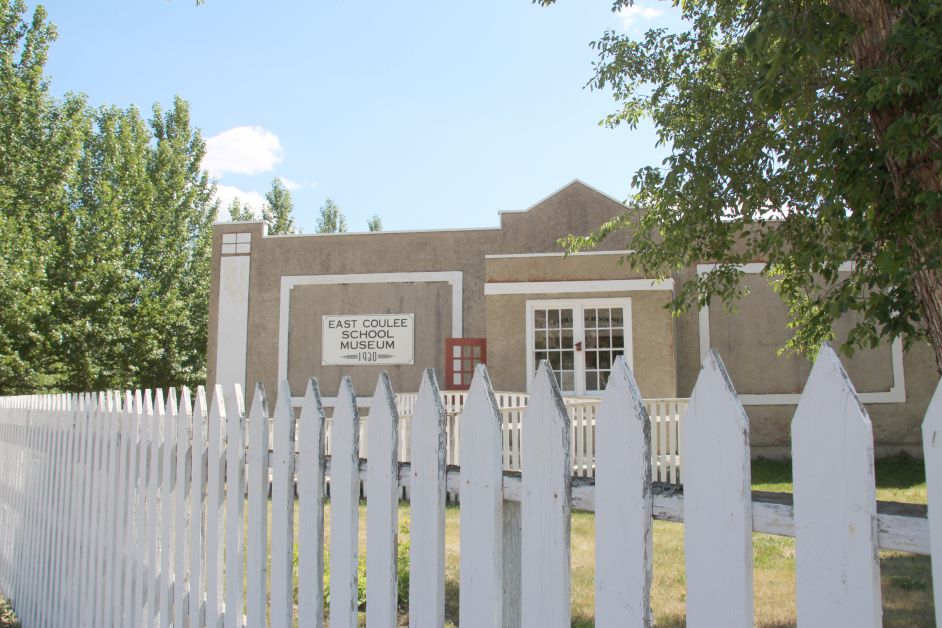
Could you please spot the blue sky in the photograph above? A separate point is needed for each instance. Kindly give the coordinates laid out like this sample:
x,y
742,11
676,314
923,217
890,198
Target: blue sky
x,y
431,114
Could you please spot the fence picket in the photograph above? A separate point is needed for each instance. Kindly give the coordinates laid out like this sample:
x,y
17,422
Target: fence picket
x,y
717,502
382,510
86,526
215,505
197,514
152,418
257,540
311,509
427,498
235,505
836,546
107,533
932,450
184,453
482,513
282,510
546,489
623,504
344,508
168,454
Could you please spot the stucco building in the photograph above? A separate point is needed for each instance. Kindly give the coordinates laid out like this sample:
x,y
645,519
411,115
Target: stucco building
x,y
295,306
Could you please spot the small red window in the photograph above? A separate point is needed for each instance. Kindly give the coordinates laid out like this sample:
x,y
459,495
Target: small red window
x,y
461,356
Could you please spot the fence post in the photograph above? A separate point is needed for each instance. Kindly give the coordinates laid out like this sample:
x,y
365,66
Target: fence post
x,y
345,508
184,453
215,505
311,509
257,541
427,494
623,504
836,550
482,498
932,450
545,505
717,502
282,509
382,507
235,504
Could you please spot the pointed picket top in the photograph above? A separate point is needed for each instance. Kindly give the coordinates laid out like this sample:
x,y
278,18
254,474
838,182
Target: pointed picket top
x,y
932,451
311,509
545,505
282,509
717,502
344,507
623,504
257,541
836,551
427,495
382,511
482,512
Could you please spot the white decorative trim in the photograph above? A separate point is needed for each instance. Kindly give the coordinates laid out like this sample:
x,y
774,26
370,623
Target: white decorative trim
x,y
578,331
555,254
563,287
896,393
232,320
288,282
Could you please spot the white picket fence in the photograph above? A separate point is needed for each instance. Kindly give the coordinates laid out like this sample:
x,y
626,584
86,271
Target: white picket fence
x,y
665,414
113,508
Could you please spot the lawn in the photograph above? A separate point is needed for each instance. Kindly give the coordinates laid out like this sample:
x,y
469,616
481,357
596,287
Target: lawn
x,y
906,578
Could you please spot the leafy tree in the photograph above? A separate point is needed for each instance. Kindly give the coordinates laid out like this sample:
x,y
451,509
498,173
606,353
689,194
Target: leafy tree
x,y
331,219
40,141
375,223
808,134
278,208
239,212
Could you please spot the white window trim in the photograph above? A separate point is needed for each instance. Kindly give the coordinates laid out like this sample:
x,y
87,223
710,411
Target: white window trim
x,y
896,393
289,282
578,331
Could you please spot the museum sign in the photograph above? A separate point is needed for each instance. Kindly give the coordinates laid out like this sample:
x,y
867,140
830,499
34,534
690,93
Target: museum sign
x,y
369,339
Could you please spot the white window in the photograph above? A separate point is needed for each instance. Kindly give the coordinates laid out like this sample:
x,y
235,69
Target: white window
x,y
580,338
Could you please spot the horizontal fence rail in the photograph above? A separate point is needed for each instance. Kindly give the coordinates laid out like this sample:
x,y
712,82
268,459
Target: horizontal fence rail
x,y
140,508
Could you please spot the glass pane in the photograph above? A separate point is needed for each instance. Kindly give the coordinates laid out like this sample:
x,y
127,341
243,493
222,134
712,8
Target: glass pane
x,y
591,381
590,318
456,379
604,339
605,360
540,356
456,365
552,319
456,351
603,380
604,319
476,351
468,366
591,339
568,360
539,340
539,319
567,380
566,318
618,317
552,339
590,359
617,352
567,339
618,338
466,351
555,359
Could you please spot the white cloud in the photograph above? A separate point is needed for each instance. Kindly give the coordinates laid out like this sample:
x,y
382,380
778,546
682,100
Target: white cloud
x,y
636,12
242,150
291,185
226,193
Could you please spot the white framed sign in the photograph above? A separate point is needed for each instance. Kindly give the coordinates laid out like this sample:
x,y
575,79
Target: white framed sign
x,y
368,339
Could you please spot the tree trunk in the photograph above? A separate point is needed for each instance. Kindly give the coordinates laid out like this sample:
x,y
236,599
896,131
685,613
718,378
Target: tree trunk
x,y
876,19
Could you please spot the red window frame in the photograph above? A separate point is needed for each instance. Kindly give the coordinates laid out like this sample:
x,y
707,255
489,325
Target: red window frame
x,y
461,356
